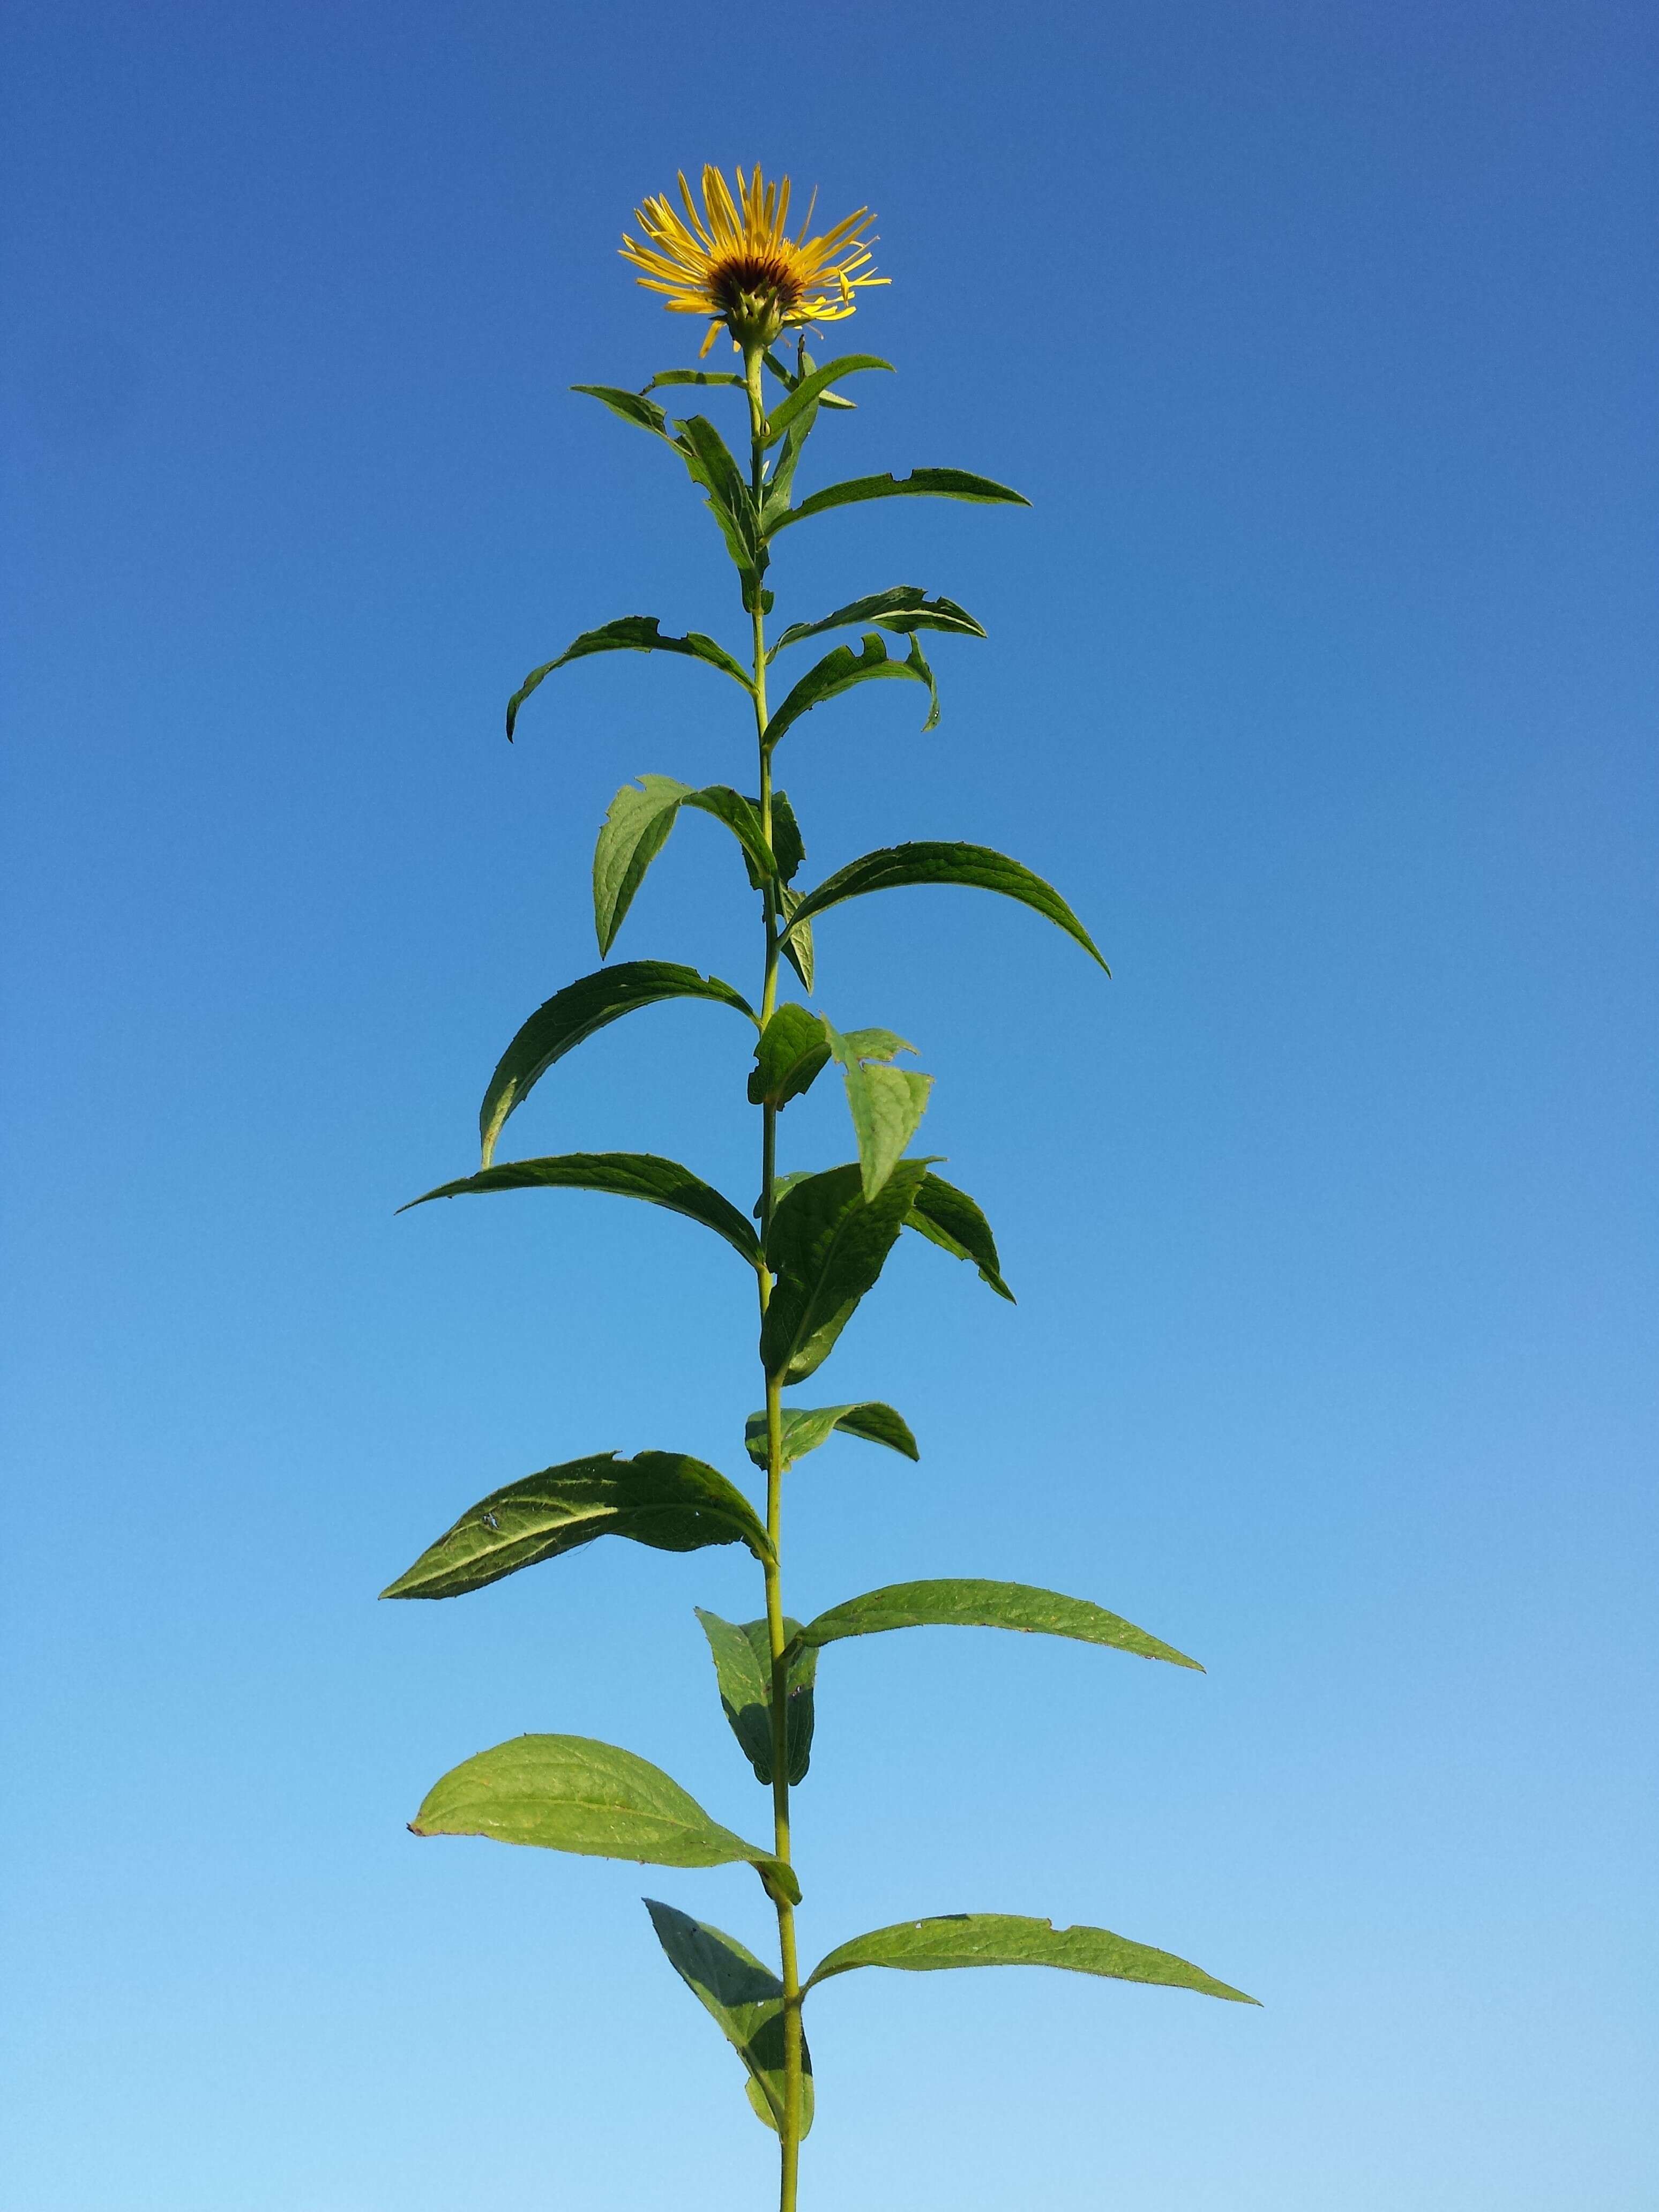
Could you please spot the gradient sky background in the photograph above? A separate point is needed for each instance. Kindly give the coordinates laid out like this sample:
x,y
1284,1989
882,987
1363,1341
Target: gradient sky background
x,y
1321,677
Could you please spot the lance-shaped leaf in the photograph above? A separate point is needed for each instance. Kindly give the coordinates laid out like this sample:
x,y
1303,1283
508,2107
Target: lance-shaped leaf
x,y
663,1499
574,1014
896,867
841,669
827,1246
666,376
811,388
798,948
806,1427
708,460
1009,1939
742,1667
568,1792
633,407
636,829
623,1175
905,609
921,483
961,1602
947,1217
793,1051
746,2000
789,379
629,633
887,1103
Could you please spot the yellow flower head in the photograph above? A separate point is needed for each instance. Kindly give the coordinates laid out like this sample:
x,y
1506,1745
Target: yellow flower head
x,y
733,260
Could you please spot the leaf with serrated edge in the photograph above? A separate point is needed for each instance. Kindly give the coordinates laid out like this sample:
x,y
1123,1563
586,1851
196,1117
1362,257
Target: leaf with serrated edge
x,y
743,1668
622,1175
925,484
827,1246
806,1427
975,867
965,1602
947,1217
743,1998
840,669
663,1499
568,1793
904,608
886,1103
629,633
791,1051
1009,1939
573,1015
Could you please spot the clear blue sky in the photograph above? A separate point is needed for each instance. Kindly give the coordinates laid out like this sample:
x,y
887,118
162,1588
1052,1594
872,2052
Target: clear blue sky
x,y
1321,677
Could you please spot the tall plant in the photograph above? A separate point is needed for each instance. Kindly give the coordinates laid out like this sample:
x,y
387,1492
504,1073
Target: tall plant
x,y
816,1242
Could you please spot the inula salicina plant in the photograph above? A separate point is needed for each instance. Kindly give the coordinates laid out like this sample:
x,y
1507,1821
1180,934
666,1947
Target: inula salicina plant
x,y
816,1239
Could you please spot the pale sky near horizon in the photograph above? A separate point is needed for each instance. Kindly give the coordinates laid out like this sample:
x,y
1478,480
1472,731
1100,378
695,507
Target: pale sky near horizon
x,y
1319,678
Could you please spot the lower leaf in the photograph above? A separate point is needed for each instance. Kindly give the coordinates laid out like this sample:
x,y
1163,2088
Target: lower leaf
x,y
1008,1939
744,1997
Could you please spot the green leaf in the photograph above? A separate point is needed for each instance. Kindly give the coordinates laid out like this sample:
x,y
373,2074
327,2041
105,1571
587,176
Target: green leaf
x,y
887,1103
840,669
743,1666
630,634
827,1246
632,406
636,826
793,1051
924,484
665,376
947,1217
905,609
798,943
624,1175
568,1792
1009,1939
574,1014
977,867
636,829
806,1427
708,460
811,388
960,1602
786,845
663,1499
746,2000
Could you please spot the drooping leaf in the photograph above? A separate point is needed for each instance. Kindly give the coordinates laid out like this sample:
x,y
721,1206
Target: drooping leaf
x,y
632,406
708,460
636,826
811,388
746,2000
793,1051
886,1103
966,1602
787,845
974,866
806,1427
840,669
798,943
568,1792
574,1014
827,1245
1009,1939
663,1499
947,1217
636,829
629,633
743,1666
921,483
905,609
624,1175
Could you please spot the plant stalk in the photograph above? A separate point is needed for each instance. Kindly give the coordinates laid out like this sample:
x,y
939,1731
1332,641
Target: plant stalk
x,y
789,2130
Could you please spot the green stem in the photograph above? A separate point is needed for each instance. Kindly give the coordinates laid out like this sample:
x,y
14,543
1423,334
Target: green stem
x,y
789,2130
